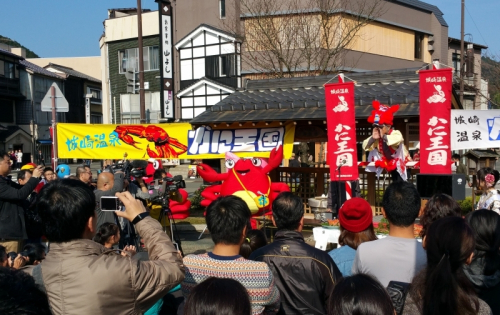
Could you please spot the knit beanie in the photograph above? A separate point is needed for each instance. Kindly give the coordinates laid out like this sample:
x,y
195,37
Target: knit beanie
x,y
355,215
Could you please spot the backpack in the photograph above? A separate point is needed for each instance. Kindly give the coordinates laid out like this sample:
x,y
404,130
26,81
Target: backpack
x,y
398,292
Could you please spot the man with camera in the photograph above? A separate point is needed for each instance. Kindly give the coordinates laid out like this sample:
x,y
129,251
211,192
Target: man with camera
x,y
12,202
108,184
81,276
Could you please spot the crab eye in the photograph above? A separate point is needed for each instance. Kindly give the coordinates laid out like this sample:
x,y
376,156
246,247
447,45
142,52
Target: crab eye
x,y
256,162
230,163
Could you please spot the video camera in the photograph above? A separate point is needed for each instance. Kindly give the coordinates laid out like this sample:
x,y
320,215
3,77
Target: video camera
x,y
135,168
169,190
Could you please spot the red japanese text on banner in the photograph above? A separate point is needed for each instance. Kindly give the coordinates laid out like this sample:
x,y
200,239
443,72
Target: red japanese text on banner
x,y
435,113
341,124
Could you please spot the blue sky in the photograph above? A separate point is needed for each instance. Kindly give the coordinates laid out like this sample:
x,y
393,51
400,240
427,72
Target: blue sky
x,y
69,28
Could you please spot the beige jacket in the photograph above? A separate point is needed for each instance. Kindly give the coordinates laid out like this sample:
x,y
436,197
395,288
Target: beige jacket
x,y
83,277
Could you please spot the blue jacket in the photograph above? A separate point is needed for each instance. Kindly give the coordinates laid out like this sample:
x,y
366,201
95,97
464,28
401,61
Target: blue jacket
x,y
343,258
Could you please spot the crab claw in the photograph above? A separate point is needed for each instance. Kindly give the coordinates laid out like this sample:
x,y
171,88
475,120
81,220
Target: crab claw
x,y
209,174
275,159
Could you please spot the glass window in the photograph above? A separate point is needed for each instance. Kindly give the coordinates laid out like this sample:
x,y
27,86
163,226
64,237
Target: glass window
x,y
222,7
419,39
128,59
455,57
9,70
154,58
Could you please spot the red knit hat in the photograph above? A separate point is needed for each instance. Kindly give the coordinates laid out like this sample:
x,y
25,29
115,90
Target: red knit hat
x,y
355,215
383,114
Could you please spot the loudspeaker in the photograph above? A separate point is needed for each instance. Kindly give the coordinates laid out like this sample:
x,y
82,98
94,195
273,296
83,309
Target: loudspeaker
x,y
450,184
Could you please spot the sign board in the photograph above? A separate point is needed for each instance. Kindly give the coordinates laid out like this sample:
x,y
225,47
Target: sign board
x,y
62,105
475,129
167,86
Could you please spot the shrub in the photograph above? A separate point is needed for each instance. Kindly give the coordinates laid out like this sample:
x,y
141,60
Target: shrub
x,y
465,205
197,198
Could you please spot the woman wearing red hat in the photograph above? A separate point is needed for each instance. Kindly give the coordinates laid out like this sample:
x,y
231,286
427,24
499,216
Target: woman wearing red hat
x,y
356,227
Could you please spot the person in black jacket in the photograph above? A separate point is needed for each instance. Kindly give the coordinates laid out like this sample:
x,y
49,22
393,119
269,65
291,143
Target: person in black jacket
x,y
304,275
12,201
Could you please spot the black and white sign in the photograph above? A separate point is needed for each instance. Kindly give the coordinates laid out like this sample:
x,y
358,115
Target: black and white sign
x,y
167,88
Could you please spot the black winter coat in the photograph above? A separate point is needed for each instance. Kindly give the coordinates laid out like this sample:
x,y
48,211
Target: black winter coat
x,y
304,275
12,202
487,286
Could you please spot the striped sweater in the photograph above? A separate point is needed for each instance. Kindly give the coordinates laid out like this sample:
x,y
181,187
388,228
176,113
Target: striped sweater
x,y
256,277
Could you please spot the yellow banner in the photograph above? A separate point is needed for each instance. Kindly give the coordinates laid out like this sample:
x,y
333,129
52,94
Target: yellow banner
x,y
168,141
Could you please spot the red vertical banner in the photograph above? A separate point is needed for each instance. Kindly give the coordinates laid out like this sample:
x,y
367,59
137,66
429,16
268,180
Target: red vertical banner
x,y
435,115
341,123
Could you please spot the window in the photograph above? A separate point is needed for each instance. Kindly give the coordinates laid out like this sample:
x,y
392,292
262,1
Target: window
x,y
95,93
455,57
129,58
419,39
9,70
222,8
223,66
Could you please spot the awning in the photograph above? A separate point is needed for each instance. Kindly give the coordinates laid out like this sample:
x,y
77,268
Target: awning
x,y
42,141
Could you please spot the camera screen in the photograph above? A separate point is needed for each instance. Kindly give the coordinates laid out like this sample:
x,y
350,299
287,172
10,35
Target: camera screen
x,y
109,204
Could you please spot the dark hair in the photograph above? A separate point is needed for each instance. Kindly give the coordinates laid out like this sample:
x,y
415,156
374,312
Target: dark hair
x,y
439,206
19,295
80,170
216,296
253,240
353,240
65,207
158,174
226,218
485,225
48,168
288,210
3,253
22,174
443,287
360,294
481,174
4,154
401,203
455,156
34,251
105,231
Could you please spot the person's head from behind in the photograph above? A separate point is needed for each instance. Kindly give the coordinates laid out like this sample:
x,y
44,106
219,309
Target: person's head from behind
x,y
105,181
487,178
108,235
19,295
254,240
356,223
34,252
5,163
288,212
455,157
23,177
401,204
439,206
216,296
485,225
159,174
67,210
4,259
227,220
360,294
49,174
449,244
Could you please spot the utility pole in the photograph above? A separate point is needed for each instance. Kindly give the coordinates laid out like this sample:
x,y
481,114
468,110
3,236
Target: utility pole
x,y
142,102
462,54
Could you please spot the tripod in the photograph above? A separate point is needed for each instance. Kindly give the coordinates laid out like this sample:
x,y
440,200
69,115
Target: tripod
x,y
166,214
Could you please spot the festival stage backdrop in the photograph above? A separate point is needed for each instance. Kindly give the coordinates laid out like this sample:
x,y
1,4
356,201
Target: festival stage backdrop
x,y
169,141
475,129
435,112
341,123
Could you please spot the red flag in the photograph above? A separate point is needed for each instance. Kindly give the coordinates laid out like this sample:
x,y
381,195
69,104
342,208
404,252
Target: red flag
x,y
435,113
341,124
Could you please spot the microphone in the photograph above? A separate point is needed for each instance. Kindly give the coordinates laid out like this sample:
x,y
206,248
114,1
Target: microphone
x,y
344,161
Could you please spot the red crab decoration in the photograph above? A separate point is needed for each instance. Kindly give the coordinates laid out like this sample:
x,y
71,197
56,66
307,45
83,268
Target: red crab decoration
x,y
164,145
247,179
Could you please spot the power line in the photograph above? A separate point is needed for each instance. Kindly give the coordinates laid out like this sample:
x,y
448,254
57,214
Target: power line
x,y
476,26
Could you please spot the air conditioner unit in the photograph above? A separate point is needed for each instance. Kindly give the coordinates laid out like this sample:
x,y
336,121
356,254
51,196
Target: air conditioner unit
x,y
430,47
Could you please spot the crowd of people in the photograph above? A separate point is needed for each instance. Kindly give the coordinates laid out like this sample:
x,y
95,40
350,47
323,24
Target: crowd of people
x,y
92,263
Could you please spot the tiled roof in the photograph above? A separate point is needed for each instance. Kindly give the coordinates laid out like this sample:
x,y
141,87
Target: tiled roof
x,y
483,153
426,7
72,72
8,53
304,97
39,70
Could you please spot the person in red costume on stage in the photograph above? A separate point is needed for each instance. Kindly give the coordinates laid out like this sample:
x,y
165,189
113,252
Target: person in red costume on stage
x,y
386,145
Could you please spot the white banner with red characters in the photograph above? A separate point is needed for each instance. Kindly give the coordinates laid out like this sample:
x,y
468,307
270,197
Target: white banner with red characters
x,y
435,113
341,124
